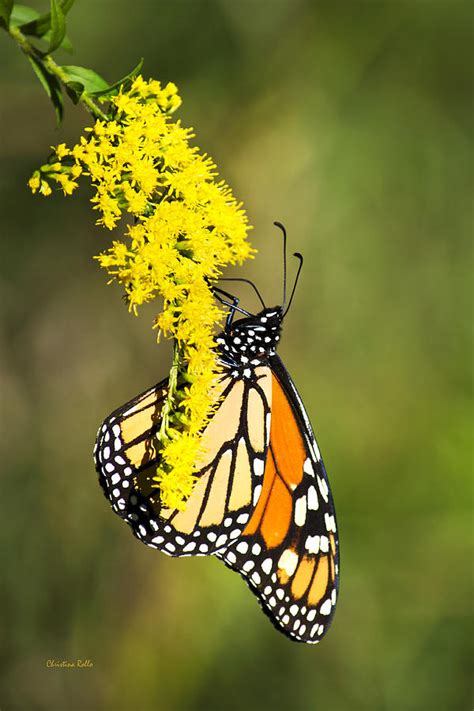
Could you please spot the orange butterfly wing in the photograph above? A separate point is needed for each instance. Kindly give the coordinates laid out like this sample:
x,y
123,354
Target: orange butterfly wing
x,y
288,552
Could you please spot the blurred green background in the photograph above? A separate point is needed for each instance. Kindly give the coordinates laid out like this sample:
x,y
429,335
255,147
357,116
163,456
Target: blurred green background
x,y
351,123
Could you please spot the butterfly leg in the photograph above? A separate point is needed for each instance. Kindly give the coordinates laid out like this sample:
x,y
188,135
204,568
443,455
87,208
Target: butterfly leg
x,y
233,305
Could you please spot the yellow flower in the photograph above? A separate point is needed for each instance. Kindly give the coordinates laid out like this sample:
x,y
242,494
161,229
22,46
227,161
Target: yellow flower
x,y
126,104
61,150
180,454
166,321
65,182
144,174
136,200
140,86
109,207
34,182
45,188
184,227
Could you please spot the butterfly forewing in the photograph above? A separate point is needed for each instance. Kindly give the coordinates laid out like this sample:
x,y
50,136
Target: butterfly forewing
x,y
288,552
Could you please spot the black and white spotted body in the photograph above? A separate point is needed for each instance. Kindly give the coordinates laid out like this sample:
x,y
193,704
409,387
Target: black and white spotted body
x,y
250,342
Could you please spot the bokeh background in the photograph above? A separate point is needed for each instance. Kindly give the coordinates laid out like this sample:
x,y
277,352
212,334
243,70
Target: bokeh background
x,y
351,123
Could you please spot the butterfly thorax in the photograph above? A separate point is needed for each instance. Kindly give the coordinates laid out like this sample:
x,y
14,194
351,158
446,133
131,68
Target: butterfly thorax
x,y
251,341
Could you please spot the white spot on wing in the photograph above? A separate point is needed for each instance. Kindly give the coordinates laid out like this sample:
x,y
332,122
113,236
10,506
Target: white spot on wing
x,y
258,466
256,494
221,540
323,488
288,561
317,453
313,502
312,544
308,467
269,422
325,608
300,511
330,522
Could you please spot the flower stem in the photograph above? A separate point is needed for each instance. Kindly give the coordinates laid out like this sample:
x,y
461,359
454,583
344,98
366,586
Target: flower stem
x,y
170,395
53,68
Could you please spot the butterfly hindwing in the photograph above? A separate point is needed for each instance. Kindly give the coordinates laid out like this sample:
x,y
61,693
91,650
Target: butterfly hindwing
x,y
288,552
229,468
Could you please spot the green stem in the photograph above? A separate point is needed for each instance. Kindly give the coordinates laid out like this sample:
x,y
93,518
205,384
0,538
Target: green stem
x,y
170,395
55,69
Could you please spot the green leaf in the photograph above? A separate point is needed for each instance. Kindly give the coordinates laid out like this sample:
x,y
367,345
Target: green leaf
x,y
39,25
90,80
50,84
58,26
6,7
22,14
125,82
74,90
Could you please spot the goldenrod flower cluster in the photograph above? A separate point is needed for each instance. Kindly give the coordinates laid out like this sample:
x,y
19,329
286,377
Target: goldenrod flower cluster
x,y
185,227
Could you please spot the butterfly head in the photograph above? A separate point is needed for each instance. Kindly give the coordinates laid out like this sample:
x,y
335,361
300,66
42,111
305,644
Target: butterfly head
x,y
251,341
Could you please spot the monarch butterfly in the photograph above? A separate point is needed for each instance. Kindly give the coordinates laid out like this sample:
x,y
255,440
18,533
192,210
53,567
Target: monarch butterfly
x,y
262,502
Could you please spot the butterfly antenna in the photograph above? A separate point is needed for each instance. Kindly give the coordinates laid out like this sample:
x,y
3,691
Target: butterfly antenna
x,y
247,281
300,257
282,228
